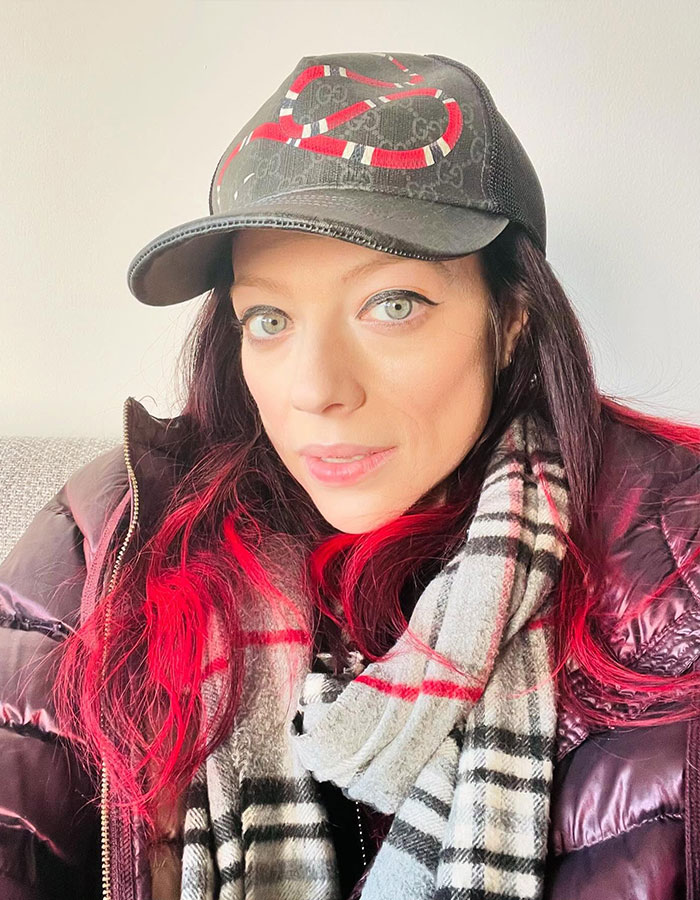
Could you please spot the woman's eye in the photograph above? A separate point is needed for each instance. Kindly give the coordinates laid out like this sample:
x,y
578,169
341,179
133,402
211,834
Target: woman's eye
x,y
397,306
271,324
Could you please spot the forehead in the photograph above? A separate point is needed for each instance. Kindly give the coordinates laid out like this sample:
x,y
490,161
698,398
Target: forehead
x,y
267,257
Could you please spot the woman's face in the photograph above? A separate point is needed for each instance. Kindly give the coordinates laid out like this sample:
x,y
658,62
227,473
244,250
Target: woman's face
x,y
343,344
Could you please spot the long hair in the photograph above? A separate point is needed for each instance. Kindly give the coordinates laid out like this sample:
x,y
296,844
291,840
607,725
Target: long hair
x,y
137,700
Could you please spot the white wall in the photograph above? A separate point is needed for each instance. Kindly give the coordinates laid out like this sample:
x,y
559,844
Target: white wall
x,y
114,115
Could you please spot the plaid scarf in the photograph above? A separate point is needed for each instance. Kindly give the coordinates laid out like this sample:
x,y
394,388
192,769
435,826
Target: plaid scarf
x,y
463,761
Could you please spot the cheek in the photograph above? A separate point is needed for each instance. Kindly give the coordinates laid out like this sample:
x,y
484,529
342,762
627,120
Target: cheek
x,y
449,386
266,393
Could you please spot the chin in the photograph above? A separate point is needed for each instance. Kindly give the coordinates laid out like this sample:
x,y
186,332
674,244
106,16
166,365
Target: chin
x,y
350,522
353,526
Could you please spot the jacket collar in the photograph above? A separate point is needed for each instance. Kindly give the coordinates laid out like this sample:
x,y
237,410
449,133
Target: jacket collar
x,y
148,432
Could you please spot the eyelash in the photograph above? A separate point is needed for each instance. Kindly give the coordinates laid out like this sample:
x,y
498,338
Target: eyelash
x,y
378,300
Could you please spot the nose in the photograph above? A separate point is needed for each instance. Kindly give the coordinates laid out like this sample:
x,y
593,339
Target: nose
x,y
326,372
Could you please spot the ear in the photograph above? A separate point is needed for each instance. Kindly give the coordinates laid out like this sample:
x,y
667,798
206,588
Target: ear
x,y
513,325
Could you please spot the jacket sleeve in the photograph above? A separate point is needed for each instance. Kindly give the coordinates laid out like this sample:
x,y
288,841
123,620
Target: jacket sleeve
x,y
625,810
617,828
49,817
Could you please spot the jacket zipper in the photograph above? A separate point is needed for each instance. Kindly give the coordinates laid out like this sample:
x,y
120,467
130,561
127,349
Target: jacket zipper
x,y
362,838
104,799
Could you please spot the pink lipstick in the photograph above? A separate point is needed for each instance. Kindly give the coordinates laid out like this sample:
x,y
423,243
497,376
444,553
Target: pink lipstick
x,y
346,472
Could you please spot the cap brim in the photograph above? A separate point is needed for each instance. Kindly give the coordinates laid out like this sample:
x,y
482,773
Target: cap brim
x,y
182,263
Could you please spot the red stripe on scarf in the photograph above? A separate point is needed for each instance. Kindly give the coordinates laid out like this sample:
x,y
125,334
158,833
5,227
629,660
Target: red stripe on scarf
x,y
251,638
433,687
285,636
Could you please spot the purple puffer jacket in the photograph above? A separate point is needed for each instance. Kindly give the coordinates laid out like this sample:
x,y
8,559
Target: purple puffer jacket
x,y
625,819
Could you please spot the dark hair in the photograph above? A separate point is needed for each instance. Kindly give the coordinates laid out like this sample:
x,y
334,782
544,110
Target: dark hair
x,y
235,507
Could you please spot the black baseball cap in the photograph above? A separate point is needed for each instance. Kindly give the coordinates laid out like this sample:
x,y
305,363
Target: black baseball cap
x,y
397,152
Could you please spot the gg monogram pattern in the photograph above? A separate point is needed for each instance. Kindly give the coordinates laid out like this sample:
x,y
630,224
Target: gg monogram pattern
x,y
350,125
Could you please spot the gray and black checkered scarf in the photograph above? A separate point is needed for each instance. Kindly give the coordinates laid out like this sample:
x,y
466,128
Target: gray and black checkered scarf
x,y
463,761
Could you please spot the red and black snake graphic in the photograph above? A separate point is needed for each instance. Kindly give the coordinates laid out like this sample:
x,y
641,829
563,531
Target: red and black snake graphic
x,y
315,137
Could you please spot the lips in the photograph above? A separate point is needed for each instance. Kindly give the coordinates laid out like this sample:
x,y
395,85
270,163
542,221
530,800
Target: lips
x,y
346,473
343,451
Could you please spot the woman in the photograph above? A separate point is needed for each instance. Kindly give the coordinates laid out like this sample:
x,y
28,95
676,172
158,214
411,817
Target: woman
x,y
400,605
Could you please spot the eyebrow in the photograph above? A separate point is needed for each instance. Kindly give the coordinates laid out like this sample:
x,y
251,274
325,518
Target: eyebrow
x,y
358,271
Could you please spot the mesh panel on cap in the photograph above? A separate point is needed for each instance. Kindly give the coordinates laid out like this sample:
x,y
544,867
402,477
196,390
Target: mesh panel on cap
x,y
521,200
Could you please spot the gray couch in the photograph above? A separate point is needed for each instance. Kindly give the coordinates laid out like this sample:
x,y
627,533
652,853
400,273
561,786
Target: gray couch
x,y
32,469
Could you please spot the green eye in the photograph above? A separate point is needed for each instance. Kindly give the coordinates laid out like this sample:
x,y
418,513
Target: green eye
x,y
399,304
270,323
397,307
